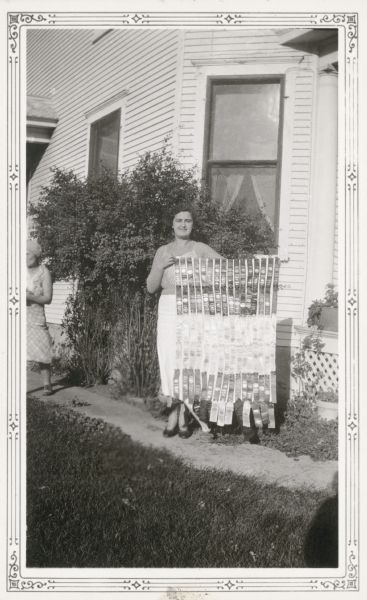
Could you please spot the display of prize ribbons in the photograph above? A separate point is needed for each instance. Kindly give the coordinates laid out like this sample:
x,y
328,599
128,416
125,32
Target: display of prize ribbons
x,y
225,339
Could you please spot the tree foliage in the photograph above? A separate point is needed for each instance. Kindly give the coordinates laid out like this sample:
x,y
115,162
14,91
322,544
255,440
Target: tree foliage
x,y
104,231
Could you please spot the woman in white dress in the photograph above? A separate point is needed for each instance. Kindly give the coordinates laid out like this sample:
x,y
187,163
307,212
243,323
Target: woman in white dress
x,y
39,293
162,277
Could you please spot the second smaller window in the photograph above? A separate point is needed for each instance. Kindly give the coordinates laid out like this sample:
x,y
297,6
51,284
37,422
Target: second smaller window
x,y
104,144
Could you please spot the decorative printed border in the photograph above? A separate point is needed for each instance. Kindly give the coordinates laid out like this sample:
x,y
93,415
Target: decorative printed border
x,y
347,24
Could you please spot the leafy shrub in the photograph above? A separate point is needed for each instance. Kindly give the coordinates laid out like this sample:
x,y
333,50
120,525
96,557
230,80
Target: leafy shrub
x,y
104,232
136,357
303,432
234,233
89,334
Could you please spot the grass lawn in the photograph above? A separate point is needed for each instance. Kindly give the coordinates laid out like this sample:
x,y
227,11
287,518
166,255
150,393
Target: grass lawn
x,y
97,499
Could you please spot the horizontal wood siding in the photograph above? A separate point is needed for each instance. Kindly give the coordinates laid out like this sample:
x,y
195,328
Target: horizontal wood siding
x,y
79,76
61,291
293,272
263,48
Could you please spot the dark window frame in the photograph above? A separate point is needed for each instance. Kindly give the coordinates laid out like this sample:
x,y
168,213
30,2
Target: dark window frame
x,y
93,133
208,163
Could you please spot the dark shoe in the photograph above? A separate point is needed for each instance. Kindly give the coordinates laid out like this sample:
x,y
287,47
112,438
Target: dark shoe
x,y
184,432
250,435
170,432
173,418
47,390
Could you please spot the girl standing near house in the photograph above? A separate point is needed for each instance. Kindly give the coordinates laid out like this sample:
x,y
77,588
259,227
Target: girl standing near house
x,y
39,293
162,276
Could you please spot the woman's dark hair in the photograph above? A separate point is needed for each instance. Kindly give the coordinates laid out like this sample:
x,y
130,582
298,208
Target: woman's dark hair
x,y
179,209
197,233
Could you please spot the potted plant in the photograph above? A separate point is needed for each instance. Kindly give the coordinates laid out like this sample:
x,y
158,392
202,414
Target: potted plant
x,y
323,314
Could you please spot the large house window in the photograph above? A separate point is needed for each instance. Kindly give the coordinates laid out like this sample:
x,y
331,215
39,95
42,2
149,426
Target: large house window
x,y
242,155
104,144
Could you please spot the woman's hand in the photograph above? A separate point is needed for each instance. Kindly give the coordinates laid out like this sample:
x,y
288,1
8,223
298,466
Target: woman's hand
x,y
160,263
46,296
167,262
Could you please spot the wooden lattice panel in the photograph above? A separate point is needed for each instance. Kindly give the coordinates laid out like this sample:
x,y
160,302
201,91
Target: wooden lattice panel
x,y
324,364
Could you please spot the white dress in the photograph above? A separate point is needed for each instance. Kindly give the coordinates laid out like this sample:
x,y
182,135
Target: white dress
x,y
39,343
167,318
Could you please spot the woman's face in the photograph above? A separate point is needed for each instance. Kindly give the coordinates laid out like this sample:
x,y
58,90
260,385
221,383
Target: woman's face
x,y
32,259
182,225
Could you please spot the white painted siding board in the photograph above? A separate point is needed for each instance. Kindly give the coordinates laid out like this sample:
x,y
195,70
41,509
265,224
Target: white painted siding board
x,y
150,144
151,104
209,44
153,118
55,311
290,301
99,90
105,92
140,133
83,76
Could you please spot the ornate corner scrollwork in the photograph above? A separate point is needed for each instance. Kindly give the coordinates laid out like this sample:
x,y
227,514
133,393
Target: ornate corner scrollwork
x,y
334,18
16,582
14,23
352,31
350,22
348,583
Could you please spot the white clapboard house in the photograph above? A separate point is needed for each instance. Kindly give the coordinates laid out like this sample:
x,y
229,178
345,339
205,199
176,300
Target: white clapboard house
x,y
256,111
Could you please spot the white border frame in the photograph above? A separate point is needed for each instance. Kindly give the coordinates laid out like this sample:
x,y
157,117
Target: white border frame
x,y
346,577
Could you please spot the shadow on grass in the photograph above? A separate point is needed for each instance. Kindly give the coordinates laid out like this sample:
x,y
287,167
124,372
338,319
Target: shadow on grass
x,y
97,499
321,545
58,384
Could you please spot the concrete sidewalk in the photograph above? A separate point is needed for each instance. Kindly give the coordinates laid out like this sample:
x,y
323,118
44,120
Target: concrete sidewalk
x,y
265,464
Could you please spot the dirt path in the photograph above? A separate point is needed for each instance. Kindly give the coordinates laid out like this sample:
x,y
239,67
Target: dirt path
x,y
265,464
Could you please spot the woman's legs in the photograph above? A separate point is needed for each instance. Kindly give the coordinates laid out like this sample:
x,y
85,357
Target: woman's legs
x,y
46,377
177,422
172,425
173,417
184,430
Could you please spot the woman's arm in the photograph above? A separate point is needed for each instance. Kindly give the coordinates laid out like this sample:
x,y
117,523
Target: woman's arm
x,y
46,297
160,263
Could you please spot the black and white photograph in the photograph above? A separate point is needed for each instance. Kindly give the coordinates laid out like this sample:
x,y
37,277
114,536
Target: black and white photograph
x,y
182,299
